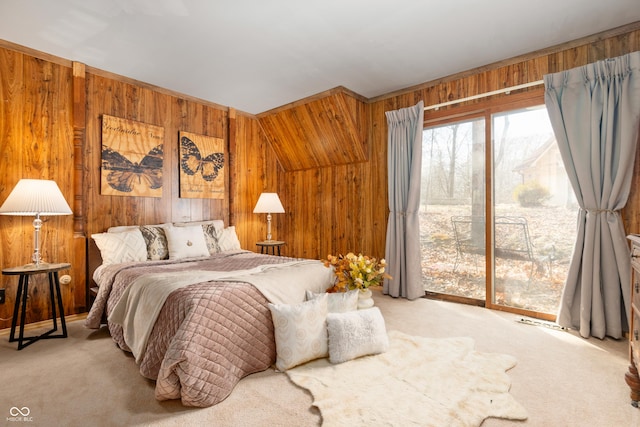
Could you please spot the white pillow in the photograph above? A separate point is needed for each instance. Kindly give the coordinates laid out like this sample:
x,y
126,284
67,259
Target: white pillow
x,y
356,333
300,332
126,246
228,240
338,302
186,242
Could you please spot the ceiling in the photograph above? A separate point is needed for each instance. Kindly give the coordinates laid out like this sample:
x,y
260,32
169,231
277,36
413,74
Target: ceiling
x,y
255,55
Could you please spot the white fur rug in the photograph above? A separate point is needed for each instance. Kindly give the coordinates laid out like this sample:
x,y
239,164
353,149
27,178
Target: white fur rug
x,y
417,382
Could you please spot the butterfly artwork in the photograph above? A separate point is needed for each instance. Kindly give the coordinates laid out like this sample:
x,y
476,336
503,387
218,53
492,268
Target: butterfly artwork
x,y
192,162
123,174
132,158
202,161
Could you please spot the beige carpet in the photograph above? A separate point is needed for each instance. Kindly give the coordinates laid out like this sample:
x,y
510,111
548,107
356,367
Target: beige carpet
x,y
561,379
418,382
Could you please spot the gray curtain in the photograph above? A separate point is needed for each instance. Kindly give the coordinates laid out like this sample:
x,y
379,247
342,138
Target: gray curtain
x,y
595,114
402,250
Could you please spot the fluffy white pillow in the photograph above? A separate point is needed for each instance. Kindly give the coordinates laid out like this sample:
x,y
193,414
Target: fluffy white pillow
x,y
186,242
338,302
228,240
127,246
300,332
356,333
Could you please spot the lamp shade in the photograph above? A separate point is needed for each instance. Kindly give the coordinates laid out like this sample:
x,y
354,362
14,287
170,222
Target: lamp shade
x,y
35,197
268,203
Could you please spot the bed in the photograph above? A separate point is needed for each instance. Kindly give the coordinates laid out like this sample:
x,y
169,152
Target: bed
x,y
211,324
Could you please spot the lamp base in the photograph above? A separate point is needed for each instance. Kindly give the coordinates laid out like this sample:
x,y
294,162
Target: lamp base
x,y
37,225
268,227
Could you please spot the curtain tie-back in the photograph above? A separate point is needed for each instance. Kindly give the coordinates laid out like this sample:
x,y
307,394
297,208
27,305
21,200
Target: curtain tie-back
x,y
599,211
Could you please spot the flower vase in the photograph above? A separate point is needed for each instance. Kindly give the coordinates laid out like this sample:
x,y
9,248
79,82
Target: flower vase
x,y
365,299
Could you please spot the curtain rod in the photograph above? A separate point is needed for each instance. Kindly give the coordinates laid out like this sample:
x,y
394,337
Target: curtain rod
x,y
483,95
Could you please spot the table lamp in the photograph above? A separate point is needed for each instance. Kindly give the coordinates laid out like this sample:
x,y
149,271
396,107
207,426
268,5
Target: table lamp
x,y
268,203
35,197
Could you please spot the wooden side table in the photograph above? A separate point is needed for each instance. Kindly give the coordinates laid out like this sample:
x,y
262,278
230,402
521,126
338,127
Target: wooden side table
x,y
270,245
21,300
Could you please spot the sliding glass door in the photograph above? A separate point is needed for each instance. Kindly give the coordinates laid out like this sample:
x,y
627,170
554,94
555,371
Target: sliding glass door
x,y
452,209
497,211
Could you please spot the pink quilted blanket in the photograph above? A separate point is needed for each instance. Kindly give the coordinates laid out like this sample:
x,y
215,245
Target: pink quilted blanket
x,y
207,336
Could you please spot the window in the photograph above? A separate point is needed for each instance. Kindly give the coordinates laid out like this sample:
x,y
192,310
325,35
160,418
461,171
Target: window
x,y
497,211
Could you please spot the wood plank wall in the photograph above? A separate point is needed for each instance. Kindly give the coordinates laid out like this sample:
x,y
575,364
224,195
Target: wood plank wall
x,y
329,209
327,129
111,96
36,141
254,169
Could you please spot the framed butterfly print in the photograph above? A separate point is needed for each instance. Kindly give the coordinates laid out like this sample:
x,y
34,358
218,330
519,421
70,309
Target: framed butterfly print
x,y
132,158
202,166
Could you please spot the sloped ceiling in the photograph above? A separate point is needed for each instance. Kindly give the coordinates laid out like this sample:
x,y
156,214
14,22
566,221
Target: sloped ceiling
x,y
325,130
256,55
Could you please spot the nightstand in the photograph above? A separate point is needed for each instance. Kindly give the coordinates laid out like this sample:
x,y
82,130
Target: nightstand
x,y
272,245
21,300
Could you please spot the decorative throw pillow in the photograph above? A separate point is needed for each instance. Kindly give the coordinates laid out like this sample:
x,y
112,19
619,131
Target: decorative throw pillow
x,y
156,240
338,302
356,333
228,240
127,246
186,242
211,238
300,332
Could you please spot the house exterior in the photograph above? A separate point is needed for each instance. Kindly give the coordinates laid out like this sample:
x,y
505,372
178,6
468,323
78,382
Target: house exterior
x,y
545,167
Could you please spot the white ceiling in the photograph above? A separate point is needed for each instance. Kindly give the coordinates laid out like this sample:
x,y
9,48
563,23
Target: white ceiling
x,y
255,55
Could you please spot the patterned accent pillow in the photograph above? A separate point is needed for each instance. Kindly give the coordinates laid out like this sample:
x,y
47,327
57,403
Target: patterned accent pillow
x,y
300,332
156,240
338,302
186,242
228,240
356,333
115,248
211,238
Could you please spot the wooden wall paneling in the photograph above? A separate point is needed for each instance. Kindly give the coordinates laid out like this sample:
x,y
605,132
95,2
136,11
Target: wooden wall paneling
x,y
254,169
12,243
232,146
64,244
379,187
321,131
48,154
36,138
79,115
309,214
